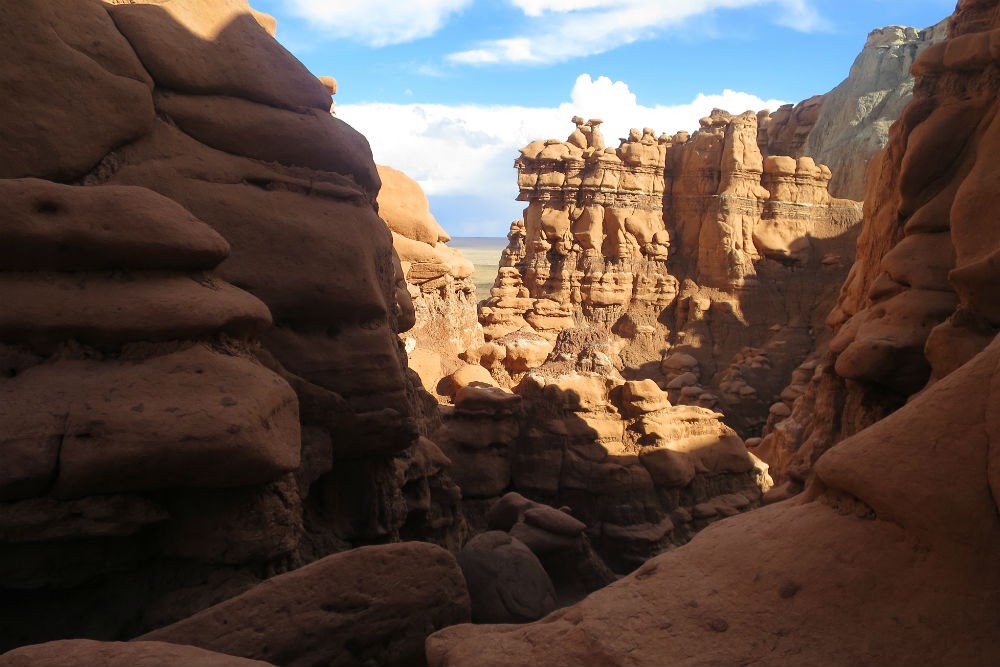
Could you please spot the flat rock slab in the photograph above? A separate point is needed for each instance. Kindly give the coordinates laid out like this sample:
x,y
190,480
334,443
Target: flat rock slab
x,y
372,605
107,310
89,653
190,418
45,226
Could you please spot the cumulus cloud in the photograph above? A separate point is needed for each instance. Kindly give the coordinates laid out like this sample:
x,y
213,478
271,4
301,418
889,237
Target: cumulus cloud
x,y
559,30
377,22
468,151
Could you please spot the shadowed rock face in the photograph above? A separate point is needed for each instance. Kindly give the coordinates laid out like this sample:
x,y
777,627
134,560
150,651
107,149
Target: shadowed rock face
x,y
87,652
201,382
887,557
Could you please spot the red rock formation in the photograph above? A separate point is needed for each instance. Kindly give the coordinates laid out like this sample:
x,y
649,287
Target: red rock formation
x,y
640,474
659,262
880,564
887,557
201,380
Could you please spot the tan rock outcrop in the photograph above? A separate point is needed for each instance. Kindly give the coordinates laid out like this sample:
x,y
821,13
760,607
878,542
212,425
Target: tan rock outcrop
x,y
635,276
674,245
436,278
628,464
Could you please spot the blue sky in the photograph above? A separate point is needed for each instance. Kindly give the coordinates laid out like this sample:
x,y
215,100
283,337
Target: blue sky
x,y
448,90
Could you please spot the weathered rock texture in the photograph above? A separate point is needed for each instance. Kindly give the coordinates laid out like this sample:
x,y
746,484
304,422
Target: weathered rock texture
x,y
651,291
437,278
919,301
847,126
880,563
673,245
201,380
640,474
888,555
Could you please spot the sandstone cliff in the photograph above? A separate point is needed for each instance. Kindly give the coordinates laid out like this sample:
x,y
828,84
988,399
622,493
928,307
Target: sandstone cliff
x,y
886,558
202,381
847,126
651,292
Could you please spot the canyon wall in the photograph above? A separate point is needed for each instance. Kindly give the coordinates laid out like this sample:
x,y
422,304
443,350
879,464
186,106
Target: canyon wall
x,y
915,305
203,384
656,297
887,556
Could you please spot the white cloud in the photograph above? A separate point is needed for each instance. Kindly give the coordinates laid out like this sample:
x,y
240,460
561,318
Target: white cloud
x,y
377,22
469,150
540,7
559,30
800,16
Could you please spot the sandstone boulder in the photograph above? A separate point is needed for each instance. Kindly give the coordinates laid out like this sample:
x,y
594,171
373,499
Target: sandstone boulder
x,y
404,206
506,581
368,604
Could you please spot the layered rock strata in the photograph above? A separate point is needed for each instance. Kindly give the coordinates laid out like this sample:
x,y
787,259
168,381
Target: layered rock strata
x,y
694,245
641,474
201,376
